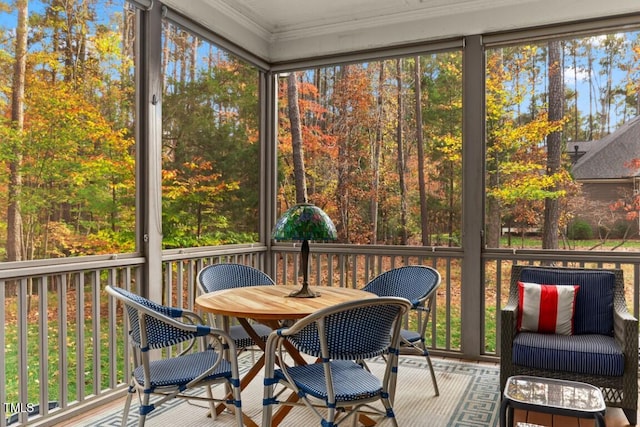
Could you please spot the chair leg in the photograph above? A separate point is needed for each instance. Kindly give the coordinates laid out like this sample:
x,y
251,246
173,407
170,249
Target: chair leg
x,y
632,415
237,398
144,408
390,414
212,404
331,415
433,375
127,405
267,409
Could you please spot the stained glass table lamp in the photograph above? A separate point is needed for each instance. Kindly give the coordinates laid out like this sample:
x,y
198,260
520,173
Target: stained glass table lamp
x,y
304,222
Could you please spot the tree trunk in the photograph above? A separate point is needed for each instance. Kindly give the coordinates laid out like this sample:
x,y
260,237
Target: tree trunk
x,y
493,220
401,161
592,90
494,215
296,139
194,59
554,145
14,215
375,159
166,53
422,185
576,123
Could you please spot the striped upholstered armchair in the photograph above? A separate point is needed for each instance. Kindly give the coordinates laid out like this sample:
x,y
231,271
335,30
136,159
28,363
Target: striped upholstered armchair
x,y
600,346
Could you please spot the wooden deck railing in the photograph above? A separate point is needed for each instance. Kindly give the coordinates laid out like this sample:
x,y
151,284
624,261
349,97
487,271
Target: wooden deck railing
x,y
64,339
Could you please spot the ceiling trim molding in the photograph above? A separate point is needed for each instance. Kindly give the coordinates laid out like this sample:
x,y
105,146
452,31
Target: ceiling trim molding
x,y
368,55
241,19
322,30
580,28
425,13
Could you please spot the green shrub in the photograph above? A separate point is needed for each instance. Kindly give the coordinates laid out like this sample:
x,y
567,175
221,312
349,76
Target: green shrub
x,y
580,230
619,229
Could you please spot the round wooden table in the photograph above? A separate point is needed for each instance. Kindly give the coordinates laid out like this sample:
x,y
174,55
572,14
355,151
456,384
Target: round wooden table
x,y
272,305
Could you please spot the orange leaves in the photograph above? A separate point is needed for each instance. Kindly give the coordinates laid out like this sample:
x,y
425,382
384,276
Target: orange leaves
x,y
195,179
633,164
629,207
629,203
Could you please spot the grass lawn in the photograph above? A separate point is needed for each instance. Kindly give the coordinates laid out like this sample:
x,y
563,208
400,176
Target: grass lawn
x,y
535,242
55,365
70,365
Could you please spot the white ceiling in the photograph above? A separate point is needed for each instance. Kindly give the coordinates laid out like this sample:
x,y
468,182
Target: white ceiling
x,y
281,30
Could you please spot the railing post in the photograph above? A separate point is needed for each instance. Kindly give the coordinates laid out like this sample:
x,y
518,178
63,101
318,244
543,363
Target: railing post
x,y
149,143
268,163
473,143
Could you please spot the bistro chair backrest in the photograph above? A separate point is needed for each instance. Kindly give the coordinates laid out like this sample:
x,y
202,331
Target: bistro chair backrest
x,y
413,282
150,323
350,331
216,277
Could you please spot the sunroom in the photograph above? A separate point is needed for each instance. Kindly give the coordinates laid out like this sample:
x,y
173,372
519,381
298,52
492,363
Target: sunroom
x,y
423,129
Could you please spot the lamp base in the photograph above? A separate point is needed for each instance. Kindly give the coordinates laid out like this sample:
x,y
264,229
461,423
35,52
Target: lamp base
x,y
304,292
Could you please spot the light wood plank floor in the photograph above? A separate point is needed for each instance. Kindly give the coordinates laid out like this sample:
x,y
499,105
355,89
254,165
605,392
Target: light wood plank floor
x,y
614,418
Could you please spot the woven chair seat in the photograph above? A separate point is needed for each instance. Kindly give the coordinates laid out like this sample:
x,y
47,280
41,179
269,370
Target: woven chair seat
x,y
411,336
581,354
183,369
352,382
242,338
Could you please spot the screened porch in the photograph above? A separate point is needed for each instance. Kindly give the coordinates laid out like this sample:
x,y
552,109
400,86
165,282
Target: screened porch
x,y
63,338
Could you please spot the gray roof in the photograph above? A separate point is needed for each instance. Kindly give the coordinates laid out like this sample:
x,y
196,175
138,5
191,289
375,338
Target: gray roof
x,y
580,148
606,158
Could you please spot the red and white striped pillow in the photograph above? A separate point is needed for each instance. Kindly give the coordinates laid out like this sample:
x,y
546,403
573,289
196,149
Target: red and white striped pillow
x,y
546,309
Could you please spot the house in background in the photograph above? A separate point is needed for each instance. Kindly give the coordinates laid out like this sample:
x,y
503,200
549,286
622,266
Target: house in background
x,y
604,170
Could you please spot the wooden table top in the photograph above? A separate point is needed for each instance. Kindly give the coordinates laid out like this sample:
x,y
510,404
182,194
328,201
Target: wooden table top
x,y
273,302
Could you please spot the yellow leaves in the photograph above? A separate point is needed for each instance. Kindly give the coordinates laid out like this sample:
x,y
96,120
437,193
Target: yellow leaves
x,y
451,146
169,174
451,66
107,43
528,181
506,136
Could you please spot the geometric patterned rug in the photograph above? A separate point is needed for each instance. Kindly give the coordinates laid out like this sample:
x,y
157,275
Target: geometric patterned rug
x,y
469,397
469,394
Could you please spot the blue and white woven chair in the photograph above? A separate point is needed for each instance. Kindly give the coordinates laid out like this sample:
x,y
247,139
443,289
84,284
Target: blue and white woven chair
x,y
418,284
153,326
337,336
217,277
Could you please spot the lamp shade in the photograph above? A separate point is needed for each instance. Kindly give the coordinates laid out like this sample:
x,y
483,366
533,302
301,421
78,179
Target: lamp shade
x,y
304,221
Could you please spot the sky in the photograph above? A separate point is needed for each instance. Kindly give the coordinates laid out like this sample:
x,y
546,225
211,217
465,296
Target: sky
x,y
106,9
